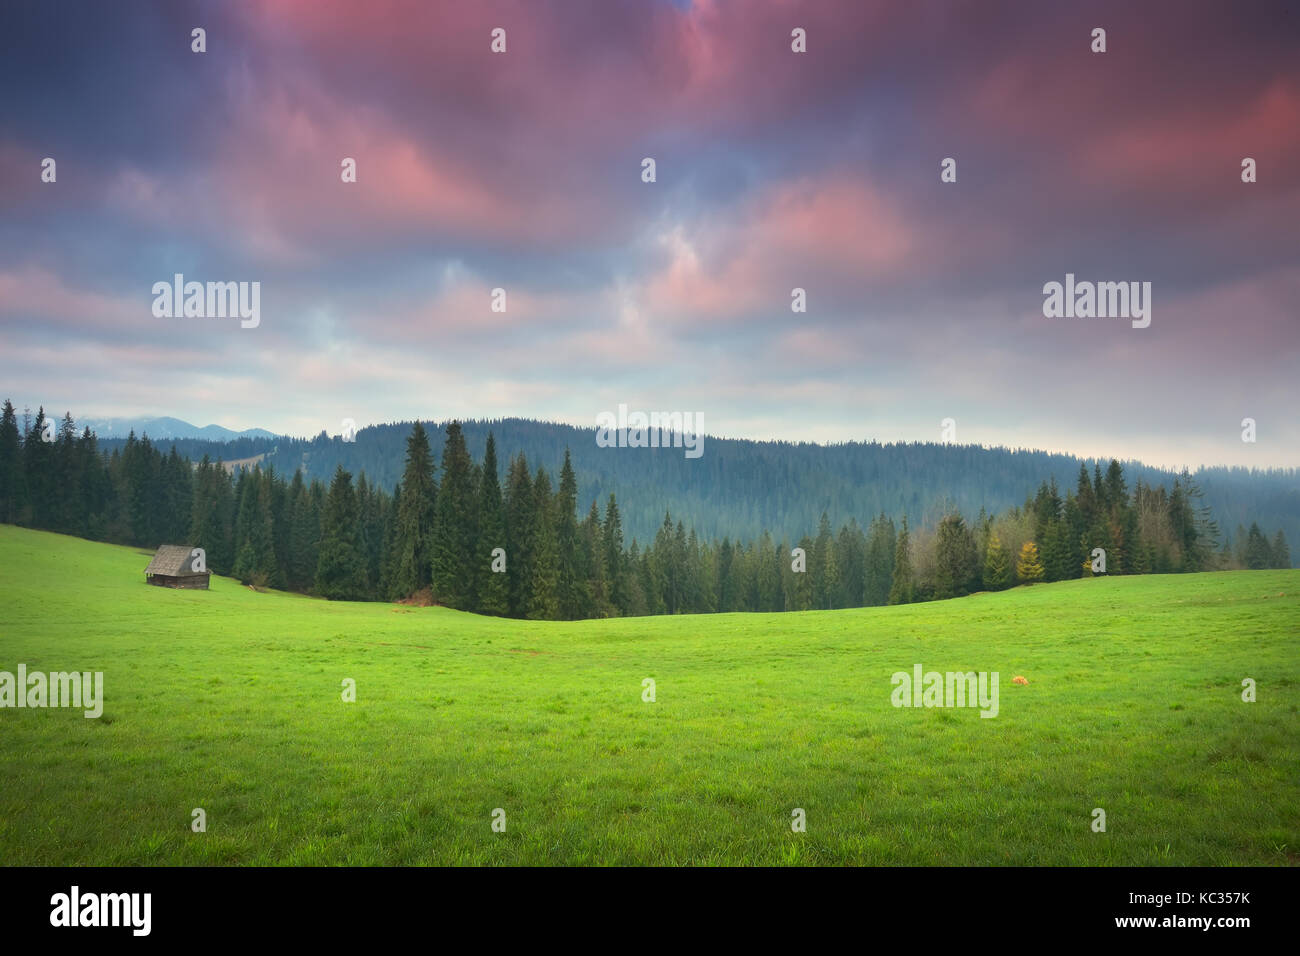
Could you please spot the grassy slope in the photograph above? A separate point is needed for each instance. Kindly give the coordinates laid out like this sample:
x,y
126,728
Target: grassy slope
x,y
230,700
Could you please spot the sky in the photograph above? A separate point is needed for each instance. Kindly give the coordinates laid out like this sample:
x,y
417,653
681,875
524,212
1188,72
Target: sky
x,y
774,170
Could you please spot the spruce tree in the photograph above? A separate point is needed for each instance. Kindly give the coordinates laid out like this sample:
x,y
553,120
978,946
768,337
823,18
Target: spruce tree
x,y
543,601
826,576
850,550
665,570
736,578
1281,553
636,599
616,562
771,596
592,565
882,546
275,496
493,590
413,530
997,565
454,544
903,588
341,568
10,465
255,561
210,516
301,570
571,595
37,467
388,562
954,557
520,505
1259,555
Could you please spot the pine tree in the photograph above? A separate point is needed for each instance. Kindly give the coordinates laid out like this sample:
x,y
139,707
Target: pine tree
x,y
413,530
93,488
372,505
1071,534
246,549
771,596
1028,566
851,557
616,562
725,557
955,557
571,594
177,492
664,568
304,534
543,601
651,576
636,599
63,490
1259,555
592,565
687,545
493,592
209,518
1086,498
255,561
454,542
997,565
1281,553
37,477
826,575
275,496
903,588
388,563
10,466
519,507
738,577
706,589
1058,560
882,544
341,570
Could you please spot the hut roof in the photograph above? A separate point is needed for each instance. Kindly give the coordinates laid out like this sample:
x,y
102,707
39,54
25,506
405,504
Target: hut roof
x,y
172,559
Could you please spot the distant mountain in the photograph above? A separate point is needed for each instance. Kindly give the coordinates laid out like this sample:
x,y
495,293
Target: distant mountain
x,y
164,427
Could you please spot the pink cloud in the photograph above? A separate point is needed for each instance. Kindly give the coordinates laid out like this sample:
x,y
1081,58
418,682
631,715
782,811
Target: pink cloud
x,y
793,235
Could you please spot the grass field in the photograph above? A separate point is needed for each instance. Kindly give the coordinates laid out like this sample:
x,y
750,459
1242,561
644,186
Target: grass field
x,y
230,700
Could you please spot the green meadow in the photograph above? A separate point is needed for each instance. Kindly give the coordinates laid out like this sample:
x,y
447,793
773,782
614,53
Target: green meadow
x,y
230,700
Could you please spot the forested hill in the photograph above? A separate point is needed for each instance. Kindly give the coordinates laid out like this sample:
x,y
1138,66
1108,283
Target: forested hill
x,y
740,487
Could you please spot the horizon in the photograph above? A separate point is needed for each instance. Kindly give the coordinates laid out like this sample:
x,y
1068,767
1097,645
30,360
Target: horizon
x,y
442,422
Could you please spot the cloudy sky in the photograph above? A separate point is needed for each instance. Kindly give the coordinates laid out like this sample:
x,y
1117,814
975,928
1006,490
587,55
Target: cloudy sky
x,y
775,170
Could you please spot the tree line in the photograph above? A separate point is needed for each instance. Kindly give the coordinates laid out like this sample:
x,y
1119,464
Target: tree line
x,y
511,542
741,487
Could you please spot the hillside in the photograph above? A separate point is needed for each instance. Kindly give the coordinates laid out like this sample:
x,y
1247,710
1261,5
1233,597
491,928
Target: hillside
x,y
740,488
229,700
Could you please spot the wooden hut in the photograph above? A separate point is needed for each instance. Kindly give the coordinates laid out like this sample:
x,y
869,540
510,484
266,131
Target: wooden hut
x,y
173,567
